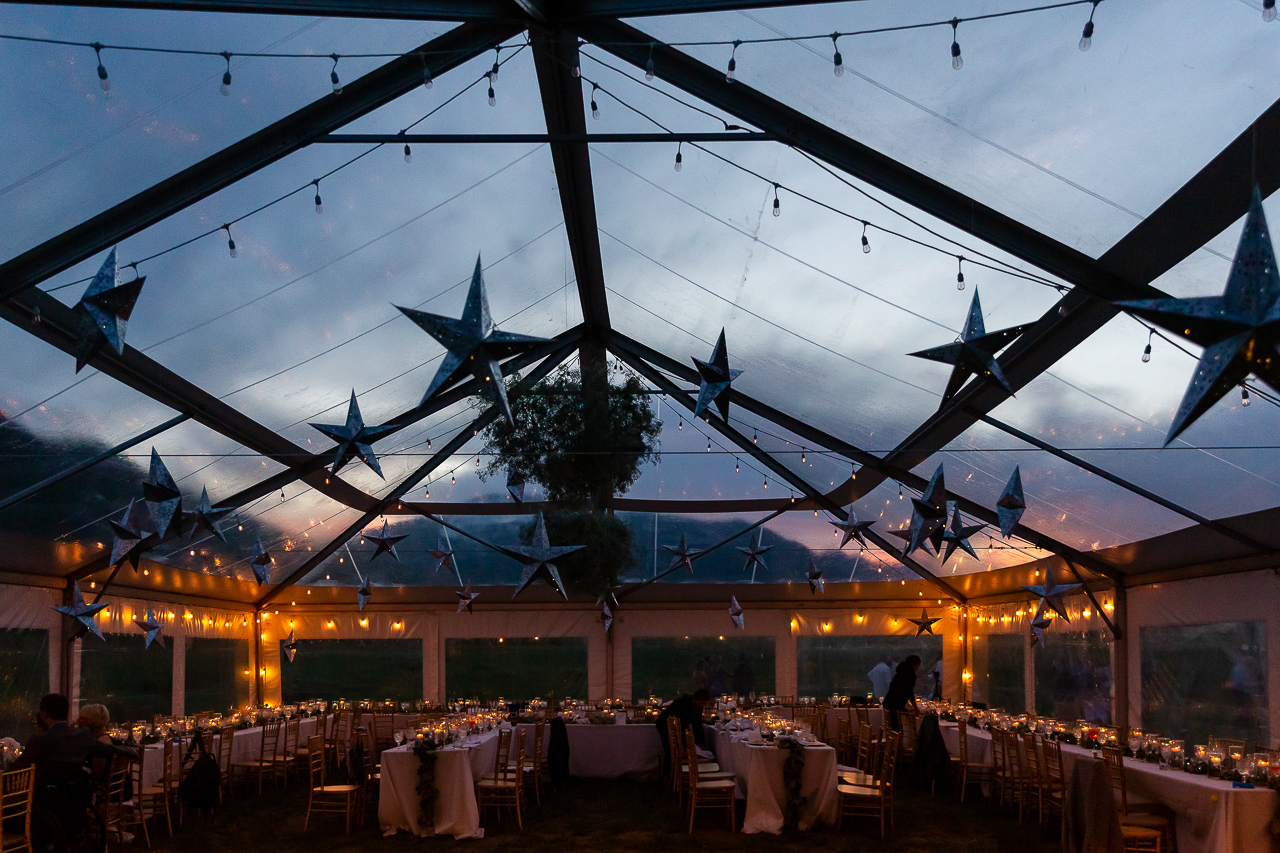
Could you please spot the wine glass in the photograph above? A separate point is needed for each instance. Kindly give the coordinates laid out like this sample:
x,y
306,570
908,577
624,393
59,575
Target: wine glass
x,y
398,736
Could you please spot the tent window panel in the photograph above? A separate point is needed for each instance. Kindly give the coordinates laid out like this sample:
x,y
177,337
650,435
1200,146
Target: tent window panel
x,y
352,669
134,682
24,678
516,669
1202,680
998,676
1073,676
218,675
668,666
844,665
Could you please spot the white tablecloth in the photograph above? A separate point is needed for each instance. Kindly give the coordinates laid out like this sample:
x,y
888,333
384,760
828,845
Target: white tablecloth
x,y
1211,815
608,751
245,746
759,781
456,770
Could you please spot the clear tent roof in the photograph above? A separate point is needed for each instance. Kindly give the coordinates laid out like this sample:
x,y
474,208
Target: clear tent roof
x,y
1078,146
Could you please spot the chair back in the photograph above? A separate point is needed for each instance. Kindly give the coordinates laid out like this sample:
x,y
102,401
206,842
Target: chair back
x,y
1113,757
1053,764
964,742
503,756
366,742
15,807
292,730
888,761
270,741
998,752
539,732
383,727
168,778
910,726
675,743
341,734
1035,773
226,736
315,760
1013,757
120,767
864,748
691,750
864,716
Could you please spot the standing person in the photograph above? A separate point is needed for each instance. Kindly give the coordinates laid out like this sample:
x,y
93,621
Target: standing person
x,y
902,691
688,710
881,674
744,677
937,679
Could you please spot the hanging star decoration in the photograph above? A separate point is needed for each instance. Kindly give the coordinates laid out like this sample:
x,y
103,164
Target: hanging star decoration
x,y
81,612
755,551
682,554
974,353
852,529
929,514
515,486
606,616
131,538
1012,505
1039,623
260,560
1240,330
474,346
104,311
164,501
290,647
957,535
1051,593
735,613
151,626
443,556
354,439
714,378
537,557
466,598
924,625
384,544
205,517
364,591
815,577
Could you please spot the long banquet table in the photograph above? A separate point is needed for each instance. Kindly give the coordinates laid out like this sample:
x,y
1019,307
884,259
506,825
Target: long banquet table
x,y
758,769
457,768
1211,816
631,751
246,745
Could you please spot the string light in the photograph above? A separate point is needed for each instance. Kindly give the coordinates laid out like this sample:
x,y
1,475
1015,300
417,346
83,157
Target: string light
x,y
679,156
802,456
282,496
838,60
497,55
735,465
1086,38
231,243
427,82
1146,352
408,155
766,482
577,66
319,202
1268,10
708,445
899,491
1244,395
956,61
226,75
333,75
866,244
102,69
648,65
680,426
960,272
754,438
777,206
453,479
733,61
595,108
493,99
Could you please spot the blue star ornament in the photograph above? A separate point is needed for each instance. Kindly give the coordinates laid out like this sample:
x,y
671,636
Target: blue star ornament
x,y
924,625
365,591
150,625
974,353
1011,505
1039,622
104,311
606,616
466,598
261,561
385,544
473,344
852,529
929,514
957,536
515,486
290,647
537,557
736,614
355,440
205,517
81,612
815,577
164,501
1239,330
443,555
1051,593
682,554
132,539
714,380
756,551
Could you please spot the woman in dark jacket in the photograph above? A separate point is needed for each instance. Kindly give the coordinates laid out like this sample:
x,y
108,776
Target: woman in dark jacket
x,y
902,690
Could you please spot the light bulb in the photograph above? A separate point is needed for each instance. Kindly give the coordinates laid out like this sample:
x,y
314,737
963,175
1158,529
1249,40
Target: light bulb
x,y
1268,10
282,496
766,483
35,315
408,155
226,83
577,68
735,466
754,439
957,61
493,99
1146,354
595,110
838,60
866,244
899,491
681,425
231,243
333,75
102,77
777,207
427,82
453,479
648,69
1244,396
802,457
679,160
319,202
428,444
730,75
1086,38
708,445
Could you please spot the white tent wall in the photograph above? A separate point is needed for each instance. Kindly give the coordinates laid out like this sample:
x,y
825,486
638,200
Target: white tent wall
x,y
28,607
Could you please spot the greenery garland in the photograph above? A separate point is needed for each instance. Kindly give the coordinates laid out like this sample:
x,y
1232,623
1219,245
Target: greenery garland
x,y
792,773
426,752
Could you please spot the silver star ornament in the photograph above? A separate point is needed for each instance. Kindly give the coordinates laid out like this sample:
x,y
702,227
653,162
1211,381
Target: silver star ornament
x,y
1011,505
132,539
606,616
384,544
164,501
924,625
929,514
1051,593
364,592
957,535
974,353
755,551
443,555
537,557
465,598
355,440
104,311
815,577
81,612
714,378
151,627
1239,330
1039,623
515,486
682,554
852,529
260,560
473,344
735,613
290,647
206,518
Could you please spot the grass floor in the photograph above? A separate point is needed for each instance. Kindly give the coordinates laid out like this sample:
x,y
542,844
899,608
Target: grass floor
x,y
616,817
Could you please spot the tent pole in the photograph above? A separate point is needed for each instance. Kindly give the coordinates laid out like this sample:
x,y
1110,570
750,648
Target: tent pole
x,y
1120,660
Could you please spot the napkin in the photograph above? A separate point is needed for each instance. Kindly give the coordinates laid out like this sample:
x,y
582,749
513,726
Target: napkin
x,y
703,753
753,736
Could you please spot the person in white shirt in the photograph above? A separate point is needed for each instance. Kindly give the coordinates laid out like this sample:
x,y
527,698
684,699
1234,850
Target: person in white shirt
x,y
881,674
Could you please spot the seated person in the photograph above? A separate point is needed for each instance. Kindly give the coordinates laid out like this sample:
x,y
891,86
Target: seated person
x,y
96,718
688,710
58,750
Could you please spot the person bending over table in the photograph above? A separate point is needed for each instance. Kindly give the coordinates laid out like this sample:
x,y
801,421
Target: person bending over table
x,y
688,710
902,691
